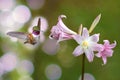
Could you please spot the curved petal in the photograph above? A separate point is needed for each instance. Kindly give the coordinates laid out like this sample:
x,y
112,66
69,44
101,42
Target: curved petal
x,y
85,33
108,45
113,44
78,51
95,37
106,42
63,26
89,54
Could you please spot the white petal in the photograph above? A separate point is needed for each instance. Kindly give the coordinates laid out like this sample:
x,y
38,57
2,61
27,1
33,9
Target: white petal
x,y
78,51
85,33
89,54
78,39
95,37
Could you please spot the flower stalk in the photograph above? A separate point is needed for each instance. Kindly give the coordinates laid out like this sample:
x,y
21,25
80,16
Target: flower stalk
x,y
83,66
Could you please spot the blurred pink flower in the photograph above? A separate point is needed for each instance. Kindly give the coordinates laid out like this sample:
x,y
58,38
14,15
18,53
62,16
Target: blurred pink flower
x,y
107,51
60,31
87,44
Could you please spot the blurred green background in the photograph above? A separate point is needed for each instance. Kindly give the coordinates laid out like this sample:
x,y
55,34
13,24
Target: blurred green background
x,y
45,61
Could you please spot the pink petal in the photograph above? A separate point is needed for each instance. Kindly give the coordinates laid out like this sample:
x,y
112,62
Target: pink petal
x,y
104,60
113,44
109,52
108,45
78,51
63,26
95,37
64,36
106,42
90,55
85,33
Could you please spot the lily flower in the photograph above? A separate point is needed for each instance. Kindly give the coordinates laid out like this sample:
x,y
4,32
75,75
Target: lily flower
x,y
107,51
60,31
87,44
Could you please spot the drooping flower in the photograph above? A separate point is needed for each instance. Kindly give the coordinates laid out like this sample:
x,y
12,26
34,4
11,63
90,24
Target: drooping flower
x,y
107,51
87,44
60,31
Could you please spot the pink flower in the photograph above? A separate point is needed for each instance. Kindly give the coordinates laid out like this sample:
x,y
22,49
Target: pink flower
x,y
87,44
60,31
107,51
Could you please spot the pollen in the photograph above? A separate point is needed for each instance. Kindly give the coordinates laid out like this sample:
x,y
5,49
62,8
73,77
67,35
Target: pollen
x,y
85,44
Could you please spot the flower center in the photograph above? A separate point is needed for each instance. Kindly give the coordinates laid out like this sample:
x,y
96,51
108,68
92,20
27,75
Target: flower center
x,y
85,44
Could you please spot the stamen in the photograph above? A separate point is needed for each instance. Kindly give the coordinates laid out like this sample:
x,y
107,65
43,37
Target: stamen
x,y
80,29
95,22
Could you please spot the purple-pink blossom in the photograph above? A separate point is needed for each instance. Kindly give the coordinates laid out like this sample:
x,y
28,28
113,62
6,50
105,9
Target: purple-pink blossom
x,y
106,51
60,31
87,44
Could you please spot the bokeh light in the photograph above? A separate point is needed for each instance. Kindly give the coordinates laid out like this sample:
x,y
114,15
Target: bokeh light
x,y
1,69
53,72
9,61
25,67
50,47
26,77
21,14
87,76
7,22
35,4
6,5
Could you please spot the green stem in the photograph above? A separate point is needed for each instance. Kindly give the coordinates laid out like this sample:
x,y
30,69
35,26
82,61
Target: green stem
x,y
83,66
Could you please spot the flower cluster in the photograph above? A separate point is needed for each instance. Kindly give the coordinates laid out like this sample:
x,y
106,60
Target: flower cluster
x,y
87,44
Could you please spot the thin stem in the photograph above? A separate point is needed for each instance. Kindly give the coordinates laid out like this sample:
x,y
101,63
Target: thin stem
x,y
83,66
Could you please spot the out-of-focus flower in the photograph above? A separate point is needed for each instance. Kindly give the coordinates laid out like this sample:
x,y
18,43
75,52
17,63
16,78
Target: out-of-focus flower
x,y
9,61
21,14
107,51
60,31
87,44
53,72
6,5
35,4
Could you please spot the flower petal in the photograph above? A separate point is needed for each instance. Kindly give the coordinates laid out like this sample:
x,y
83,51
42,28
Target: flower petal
x,y
78,51
95,37
63,26
108,45
104,60
98,55
78,39
106,42
85,33
113,44
108,52
89,54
